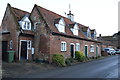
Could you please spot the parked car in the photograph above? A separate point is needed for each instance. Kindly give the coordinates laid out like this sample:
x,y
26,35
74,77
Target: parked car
x,y
117,51
110,51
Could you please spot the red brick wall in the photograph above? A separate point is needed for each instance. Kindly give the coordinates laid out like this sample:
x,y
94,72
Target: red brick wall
x,y
55,45
8,24
42,35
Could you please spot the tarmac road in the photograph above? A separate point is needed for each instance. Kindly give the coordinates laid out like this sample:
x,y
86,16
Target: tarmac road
x,y
101,68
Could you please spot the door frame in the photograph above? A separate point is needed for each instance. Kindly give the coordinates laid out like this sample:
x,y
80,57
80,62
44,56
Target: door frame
x,y
20,49
87,50
97,50
74,49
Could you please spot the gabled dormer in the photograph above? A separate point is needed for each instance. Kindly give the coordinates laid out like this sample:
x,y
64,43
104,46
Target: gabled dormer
x,y
60,24
74,28
87,32
25,23
94,34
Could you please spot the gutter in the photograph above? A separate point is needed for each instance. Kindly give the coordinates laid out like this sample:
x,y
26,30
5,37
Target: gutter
x,y
69,36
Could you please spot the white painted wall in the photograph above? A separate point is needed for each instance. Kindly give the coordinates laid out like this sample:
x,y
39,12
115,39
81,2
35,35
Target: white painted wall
x,y
61,25
75,29
89,33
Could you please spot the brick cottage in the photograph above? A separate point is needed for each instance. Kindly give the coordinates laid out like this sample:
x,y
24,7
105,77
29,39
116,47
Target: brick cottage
x,y
41,33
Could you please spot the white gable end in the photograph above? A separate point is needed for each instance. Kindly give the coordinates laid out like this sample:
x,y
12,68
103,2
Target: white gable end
x,y
75,29
25,23
89,33
61,25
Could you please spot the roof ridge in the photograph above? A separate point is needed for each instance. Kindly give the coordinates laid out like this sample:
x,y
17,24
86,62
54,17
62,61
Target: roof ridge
x,y
48,10
53,12
60,15
20,10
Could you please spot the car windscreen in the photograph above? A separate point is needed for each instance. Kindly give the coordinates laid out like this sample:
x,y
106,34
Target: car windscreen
x,y
106,49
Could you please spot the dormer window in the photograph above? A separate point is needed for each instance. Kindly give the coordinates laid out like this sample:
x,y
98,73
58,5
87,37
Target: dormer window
x,y
28,25
88,33
60,25
25,23
93,34
75,29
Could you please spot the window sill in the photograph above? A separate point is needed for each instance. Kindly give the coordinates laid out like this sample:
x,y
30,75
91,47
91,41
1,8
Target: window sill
x,y
63,51
29,49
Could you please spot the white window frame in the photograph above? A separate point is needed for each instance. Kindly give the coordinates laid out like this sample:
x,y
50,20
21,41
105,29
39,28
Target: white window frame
x,y
77,47
11,44
25,23
63,46
92,49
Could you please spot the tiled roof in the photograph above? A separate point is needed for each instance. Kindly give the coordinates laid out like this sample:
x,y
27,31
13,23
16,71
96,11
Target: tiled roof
x,y
56,21
71,25
51,18
19,14
84,29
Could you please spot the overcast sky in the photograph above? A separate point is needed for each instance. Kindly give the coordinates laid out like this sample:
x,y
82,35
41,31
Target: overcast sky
x,y
101,15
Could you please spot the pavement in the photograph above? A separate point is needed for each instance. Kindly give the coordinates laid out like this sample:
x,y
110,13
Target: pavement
x,y
101,68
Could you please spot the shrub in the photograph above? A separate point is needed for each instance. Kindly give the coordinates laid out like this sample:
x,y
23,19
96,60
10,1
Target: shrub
x,y
71,60
68,62
80,56
58,59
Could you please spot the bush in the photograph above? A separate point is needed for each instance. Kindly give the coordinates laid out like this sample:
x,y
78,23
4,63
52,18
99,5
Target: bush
x,y
80,56
58,59
68,62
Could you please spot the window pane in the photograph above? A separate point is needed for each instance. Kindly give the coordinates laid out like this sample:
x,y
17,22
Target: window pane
x,y
25,25
28,24
92,48
77,47
63,46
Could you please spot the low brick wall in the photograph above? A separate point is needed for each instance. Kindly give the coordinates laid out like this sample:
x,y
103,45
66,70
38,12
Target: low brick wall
x,y
104,53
